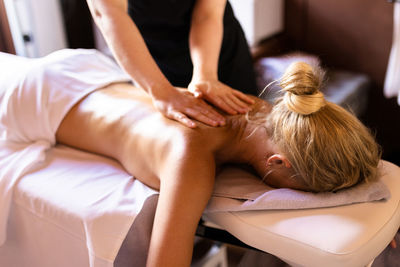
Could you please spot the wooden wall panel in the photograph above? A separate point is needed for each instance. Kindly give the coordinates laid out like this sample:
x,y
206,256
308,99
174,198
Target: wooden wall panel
x,y
355,35
296,23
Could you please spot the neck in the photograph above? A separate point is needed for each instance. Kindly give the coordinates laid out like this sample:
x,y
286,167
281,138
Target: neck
x,y
244,144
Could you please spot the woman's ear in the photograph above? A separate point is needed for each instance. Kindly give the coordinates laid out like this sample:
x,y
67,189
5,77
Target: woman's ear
x,y
278,160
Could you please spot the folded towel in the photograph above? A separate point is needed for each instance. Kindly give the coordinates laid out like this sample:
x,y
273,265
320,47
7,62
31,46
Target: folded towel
x,y
237,190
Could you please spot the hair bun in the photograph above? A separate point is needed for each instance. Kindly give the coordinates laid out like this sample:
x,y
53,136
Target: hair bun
x,y
301,84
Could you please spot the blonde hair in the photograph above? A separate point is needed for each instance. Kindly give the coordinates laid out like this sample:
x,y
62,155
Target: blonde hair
x,y
328,147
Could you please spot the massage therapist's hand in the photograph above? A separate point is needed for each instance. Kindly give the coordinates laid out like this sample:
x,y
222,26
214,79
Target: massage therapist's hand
x,y
219,94
181,105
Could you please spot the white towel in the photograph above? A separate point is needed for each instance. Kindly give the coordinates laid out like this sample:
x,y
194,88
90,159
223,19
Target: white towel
x,y
238,190
35,95
392,80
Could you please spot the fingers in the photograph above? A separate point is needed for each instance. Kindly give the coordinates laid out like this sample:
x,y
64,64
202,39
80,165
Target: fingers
x,y
240,102
224,97
244,97
180,117
185,107
230,104
222,104
206,118
240,105
206,114
202,115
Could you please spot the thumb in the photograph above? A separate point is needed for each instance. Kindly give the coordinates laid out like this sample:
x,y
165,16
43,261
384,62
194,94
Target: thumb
x,y
195,90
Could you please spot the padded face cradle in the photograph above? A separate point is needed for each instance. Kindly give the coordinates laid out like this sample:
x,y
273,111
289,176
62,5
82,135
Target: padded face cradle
x,y
351,235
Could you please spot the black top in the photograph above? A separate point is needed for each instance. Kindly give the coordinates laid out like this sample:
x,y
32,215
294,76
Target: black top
x,y
165,26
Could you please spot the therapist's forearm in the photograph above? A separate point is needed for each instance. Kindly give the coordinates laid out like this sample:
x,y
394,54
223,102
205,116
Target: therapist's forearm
x,y
128,46
130,50
205,41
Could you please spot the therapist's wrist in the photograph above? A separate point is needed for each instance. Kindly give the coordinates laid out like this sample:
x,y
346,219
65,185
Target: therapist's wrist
x,y
162,93
203,73
204,77
159,90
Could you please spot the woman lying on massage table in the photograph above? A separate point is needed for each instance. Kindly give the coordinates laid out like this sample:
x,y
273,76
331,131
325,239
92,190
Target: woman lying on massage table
x,y
303,142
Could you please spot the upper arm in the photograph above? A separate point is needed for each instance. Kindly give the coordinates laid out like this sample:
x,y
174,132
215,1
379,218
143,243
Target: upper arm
x,y
208,9
186,186
100,8
189,175
188,157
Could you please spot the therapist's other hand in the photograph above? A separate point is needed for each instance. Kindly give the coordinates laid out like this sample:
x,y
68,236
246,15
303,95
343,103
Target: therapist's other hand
x,y
219,94
181,105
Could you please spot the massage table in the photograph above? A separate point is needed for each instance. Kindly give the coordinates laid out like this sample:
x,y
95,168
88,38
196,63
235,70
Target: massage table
x,y
78,209
346,236
64,207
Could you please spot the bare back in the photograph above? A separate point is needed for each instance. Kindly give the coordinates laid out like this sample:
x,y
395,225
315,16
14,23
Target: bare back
x,y
120,121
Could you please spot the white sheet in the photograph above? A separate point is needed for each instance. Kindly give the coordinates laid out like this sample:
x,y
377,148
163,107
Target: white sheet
x,y
74,209
32,107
